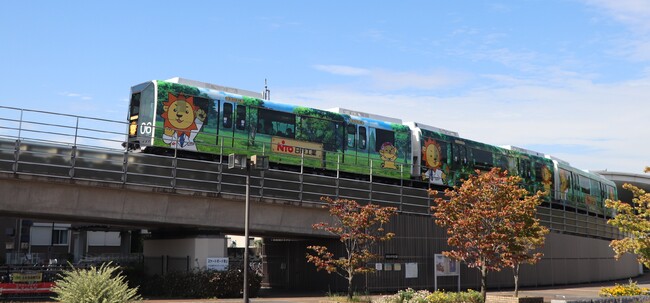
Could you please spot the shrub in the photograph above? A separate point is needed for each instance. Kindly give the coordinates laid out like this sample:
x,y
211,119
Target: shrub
x,y
630,289
103,284
424,296
198,284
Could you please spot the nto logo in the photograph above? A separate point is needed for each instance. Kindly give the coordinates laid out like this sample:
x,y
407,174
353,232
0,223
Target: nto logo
x,y
285,148
297,148
146,128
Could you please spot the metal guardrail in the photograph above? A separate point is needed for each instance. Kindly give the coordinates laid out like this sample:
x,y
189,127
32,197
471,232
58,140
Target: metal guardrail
x,y
89,149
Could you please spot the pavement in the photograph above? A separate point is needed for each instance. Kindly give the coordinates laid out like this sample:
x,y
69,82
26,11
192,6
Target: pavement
x,y
549,293
575,291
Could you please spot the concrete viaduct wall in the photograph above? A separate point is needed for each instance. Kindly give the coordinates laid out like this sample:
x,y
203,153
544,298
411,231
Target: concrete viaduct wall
x,y
81,201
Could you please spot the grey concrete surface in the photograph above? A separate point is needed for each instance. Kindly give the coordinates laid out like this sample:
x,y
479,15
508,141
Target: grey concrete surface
x,y
43,197
549,293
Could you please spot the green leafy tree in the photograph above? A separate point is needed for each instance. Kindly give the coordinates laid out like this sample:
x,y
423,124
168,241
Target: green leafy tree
x,y
402,140
633,220
252,105
320,126
358,228
103,284
486,220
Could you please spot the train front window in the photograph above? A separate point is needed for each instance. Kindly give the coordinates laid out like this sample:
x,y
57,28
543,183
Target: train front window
x,y
134,108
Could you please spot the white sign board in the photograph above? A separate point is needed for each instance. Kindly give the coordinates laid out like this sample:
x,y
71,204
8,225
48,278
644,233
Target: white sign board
x,y
446,266
218,264
411,270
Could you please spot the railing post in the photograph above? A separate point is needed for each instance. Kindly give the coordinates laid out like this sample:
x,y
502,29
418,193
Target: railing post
x,y
174,164
401,186
221,158
16,155
370,191
76,131
262,184
20,124
302,171
73,159
338,172
125,166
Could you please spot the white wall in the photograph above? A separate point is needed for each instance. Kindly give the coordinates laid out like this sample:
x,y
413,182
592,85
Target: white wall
x,y
104,238
199,249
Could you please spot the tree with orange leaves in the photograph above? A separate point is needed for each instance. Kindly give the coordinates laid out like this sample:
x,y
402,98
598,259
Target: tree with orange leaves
x,y
358,228
491,222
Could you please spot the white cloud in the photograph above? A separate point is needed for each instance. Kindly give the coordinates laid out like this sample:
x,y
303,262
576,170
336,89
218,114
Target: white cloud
x,y
342,70
391,80
593,126
75,95
635,15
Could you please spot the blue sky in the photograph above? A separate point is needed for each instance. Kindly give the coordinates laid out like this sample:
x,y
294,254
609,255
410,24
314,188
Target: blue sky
x,y
564,77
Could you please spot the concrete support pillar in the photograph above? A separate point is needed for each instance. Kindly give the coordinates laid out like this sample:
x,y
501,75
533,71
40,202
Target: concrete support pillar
x,y
196,249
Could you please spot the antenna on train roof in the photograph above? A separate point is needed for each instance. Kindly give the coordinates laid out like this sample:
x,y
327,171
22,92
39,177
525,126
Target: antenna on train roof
x,y
266,94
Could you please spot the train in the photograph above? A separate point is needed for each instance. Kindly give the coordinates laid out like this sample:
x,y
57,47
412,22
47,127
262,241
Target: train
x,y
187,117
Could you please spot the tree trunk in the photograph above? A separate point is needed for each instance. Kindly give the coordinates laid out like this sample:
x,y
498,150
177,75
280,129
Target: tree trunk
x,y
350,288
516,273
484,272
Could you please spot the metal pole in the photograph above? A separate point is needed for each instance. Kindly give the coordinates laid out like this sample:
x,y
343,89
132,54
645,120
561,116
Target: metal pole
x,y
246,231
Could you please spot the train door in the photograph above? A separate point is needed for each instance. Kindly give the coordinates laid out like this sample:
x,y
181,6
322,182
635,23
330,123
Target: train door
x,y
356,145
563,188
241,128
362,147
350,155
460,162
226,129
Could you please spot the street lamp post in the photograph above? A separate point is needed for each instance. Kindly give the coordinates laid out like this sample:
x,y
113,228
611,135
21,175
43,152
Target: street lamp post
x,y
258,163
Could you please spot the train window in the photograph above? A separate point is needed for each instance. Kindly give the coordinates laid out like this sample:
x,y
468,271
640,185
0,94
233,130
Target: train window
x,y
319,130
351,135
384,136
227,115
460,155
584,185
362,137
502,162
611,192
482,159
539,173
565,183
595,188
241,117
525,168
276,123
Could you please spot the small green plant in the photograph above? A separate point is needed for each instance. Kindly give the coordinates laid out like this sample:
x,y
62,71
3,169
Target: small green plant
x,y
356,297
629,289
104,284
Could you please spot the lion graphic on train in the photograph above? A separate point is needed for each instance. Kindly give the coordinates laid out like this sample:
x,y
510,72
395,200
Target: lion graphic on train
x,y
183,121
